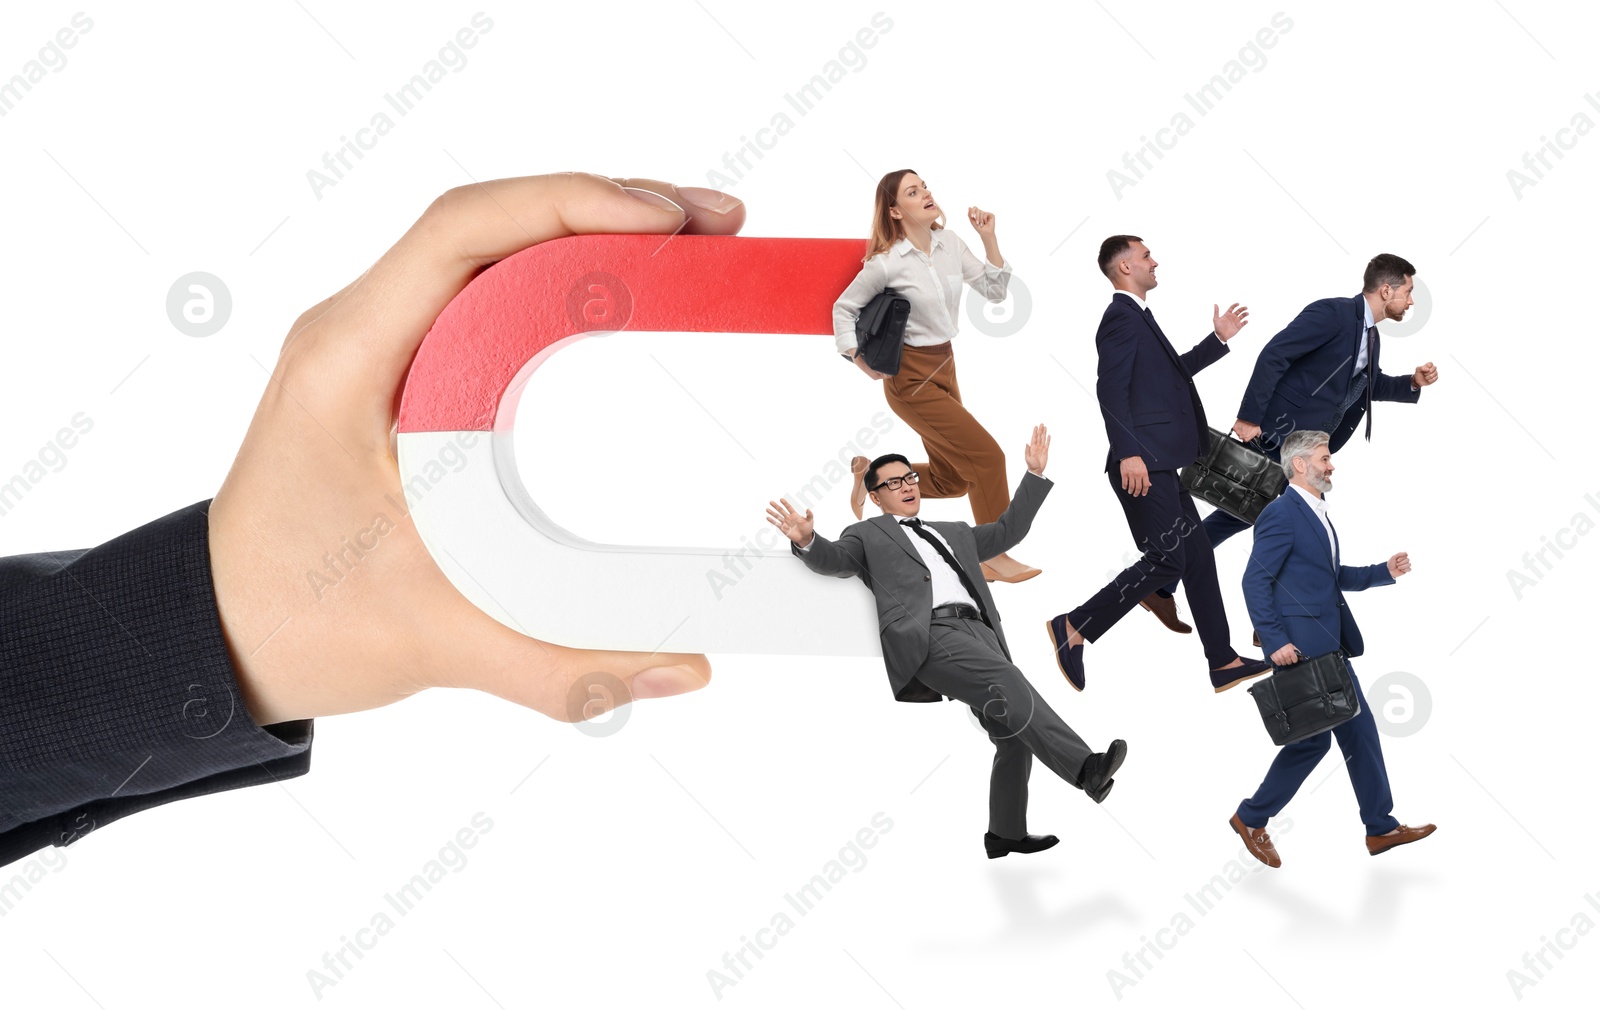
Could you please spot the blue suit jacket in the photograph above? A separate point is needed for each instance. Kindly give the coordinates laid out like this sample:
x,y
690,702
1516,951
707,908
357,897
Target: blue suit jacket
x,y
1146,389
1304,371
1294,589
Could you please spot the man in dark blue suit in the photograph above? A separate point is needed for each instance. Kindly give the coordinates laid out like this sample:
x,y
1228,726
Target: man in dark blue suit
x,y
1294,586
1156,424
1321,372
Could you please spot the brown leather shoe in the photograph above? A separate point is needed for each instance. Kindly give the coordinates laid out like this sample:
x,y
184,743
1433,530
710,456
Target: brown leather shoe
x,y
1255,639
858,490
1004,568
1377,844
1257,841
1166,610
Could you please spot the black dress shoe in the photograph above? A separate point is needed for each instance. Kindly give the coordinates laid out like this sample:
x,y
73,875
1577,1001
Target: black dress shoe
x,y
1099,795
1098,769
1233,676
997,846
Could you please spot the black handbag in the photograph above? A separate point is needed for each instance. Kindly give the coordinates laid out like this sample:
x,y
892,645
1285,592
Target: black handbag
x,y
880,329
1234,476
1306,698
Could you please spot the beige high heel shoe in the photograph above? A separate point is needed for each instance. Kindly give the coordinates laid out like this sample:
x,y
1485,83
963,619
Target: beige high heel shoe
x,y
1005,568
858,490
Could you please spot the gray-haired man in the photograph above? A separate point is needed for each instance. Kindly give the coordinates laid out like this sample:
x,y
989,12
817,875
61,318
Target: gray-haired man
x,y
1294,586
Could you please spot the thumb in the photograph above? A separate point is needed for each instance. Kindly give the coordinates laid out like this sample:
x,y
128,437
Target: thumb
x,y
573,685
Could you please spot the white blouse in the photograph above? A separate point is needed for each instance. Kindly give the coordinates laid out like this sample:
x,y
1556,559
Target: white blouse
x,y
931,283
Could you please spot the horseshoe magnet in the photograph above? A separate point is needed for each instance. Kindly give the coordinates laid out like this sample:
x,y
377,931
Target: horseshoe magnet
x,y
482,521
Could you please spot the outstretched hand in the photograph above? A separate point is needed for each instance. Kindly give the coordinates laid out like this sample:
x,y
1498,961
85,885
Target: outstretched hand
x,y
317,468
1399,564
1037,451
1226,324
790,523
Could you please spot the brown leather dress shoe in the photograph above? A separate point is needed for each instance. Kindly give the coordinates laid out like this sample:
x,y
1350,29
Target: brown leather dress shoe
x,y
1166,610
1255,639
858,490
1257,841
1402,835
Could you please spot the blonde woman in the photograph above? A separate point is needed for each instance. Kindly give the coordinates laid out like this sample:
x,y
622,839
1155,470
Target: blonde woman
x,y
912,252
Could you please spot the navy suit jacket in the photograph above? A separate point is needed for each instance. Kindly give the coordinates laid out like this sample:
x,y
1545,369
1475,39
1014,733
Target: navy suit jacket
x,y
1294,587
117,690
1146,389
1303,373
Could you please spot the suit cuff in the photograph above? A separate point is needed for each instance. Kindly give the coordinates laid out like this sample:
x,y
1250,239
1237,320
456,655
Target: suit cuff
x,y
116,676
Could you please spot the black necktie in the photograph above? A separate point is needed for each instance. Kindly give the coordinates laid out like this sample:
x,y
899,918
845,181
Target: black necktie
x,y
966,583
1372,348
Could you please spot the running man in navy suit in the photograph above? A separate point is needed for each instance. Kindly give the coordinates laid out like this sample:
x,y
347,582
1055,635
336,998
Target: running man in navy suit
x,y
1156,424
1321,372
1294,586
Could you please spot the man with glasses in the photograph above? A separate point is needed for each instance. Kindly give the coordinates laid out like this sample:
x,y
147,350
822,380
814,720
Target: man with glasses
x,y
941,632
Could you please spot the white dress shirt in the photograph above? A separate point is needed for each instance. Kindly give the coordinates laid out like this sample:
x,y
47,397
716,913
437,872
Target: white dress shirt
x,y
930,281
1137,300
947,587
1319,505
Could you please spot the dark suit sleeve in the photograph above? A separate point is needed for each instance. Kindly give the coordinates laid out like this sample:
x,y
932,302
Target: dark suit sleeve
x,y
844,558
1316,324
1274,538
117,689
1207,352
1395,387
1117,345
1007,531
1353,578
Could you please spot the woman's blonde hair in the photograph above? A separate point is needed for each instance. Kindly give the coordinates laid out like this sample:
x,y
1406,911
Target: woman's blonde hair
x,y
886,231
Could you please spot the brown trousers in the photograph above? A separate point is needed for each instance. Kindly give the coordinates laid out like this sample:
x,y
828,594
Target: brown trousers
x,y
963,459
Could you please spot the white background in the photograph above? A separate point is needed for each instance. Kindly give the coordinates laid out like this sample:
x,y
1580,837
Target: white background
x,y
621,870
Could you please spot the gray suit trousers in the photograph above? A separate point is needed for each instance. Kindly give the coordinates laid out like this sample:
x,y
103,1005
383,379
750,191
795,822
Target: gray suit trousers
x,y
965,663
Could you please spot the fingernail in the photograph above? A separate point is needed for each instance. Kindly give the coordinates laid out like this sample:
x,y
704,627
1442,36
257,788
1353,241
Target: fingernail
x,y
714,201
653,198
666,681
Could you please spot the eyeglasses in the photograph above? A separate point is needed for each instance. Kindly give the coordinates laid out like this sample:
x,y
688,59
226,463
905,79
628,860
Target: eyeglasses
x,y
895,483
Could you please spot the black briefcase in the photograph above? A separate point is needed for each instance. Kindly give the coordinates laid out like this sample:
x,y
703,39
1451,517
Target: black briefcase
x,y
881,328
1234,476
1306,698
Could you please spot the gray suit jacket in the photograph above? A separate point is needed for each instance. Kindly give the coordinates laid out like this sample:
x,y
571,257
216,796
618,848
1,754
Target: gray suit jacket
x,y
876,550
